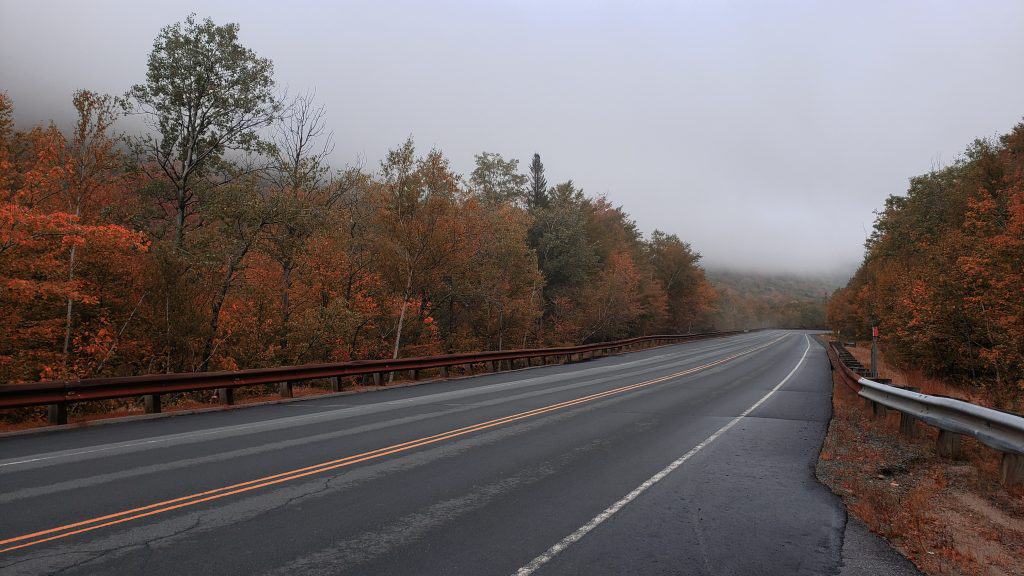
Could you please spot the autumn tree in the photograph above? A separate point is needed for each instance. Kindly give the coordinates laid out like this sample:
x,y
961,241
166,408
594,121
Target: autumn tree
x,y
301,195
226,240
942,276
94,166
56,248
689,297
415,222
237,216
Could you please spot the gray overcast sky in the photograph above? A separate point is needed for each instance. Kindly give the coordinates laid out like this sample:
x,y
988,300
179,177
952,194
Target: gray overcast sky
x,y
764,134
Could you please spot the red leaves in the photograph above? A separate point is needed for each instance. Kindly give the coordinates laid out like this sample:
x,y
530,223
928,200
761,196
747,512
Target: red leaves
x,y
95,281
38,236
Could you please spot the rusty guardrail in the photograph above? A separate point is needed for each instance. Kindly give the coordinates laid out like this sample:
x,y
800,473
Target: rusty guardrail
x,y
57,394
954,418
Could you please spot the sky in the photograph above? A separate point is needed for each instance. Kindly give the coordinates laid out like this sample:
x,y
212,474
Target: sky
x,y
764,134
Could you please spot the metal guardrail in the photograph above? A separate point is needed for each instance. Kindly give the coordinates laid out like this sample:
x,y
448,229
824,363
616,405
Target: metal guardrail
x,y
57,394
1001,431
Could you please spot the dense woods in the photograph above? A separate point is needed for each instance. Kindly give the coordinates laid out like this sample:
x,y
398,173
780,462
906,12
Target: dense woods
x,y
218,237
771,300
943,274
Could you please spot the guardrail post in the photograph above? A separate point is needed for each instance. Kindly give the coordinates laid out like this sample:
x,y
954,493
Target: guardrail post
x,y
415,373
878,410
494,366
1011,470
378,378
285,389
948,444
57,413
151,402
335,384
226,396
908,425
444,371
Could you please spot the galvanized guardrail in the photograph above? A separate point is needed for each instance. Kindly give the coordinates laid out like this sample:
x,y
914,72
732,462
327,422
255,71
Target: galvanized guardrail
x,y
57,394
1001,431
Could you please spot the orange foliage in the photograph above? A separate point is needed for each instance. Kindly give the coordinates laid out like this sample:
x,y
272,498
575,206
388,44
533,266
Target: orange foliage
x,y
944,273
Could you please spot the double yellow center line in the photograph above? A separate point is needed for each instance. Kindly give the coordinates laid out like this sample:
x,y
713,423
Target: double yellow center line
x,y
67,530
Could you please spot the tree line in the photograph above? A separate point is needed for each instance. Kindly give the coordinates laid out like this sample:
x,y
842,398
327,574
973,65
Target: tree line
x,y
943,273
218,237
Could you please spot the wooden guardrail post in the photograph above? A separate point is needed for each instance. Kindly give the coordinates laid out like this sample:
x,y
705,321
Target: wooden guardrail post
x,y
1011,469
948,444
57,413
151,403
378,378
908,425
226,396
284,389
335,384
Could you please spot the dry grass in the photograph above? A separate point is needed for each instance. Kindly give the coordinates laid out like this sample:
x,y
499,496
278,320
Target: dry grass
x,y
917,380
948,517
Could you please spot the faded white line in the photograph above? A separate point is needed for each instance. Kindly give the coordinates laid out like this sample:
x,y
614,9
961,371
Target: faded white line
x,y
611,510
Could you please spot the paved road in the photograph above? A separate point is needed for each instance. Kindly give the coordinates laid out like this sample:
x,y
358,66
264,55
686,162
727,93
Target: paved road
x,y
689,459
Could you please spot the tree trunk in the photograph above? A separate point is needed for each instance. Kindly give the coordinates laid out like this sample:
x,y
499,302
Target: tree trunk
x,y
401,314
218,303
286,312
179,233
401,319
71,303
501,326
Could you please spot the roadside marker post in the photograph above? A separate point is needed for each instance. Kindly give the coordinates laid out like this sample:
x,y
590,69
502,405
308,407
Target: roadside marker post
x,y
874,352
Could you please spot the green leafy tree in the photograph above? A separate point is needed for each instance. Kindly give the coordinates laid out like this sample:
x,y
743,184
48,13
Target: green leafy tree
x,y
498,181
205,95
559,236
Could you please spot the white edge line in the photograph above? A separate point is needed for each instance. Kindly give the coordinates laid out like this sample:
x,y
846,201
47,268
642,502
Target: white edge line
x,y
611,510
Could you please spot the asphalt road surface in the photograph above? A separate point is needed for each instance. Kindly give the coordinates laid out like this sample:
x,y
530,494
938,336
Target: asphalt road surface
x,y
689,459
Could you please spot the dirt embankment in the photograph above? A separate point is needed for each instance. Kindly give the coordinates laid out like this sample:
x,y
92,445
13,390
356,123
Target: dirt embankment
x,y
948,517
